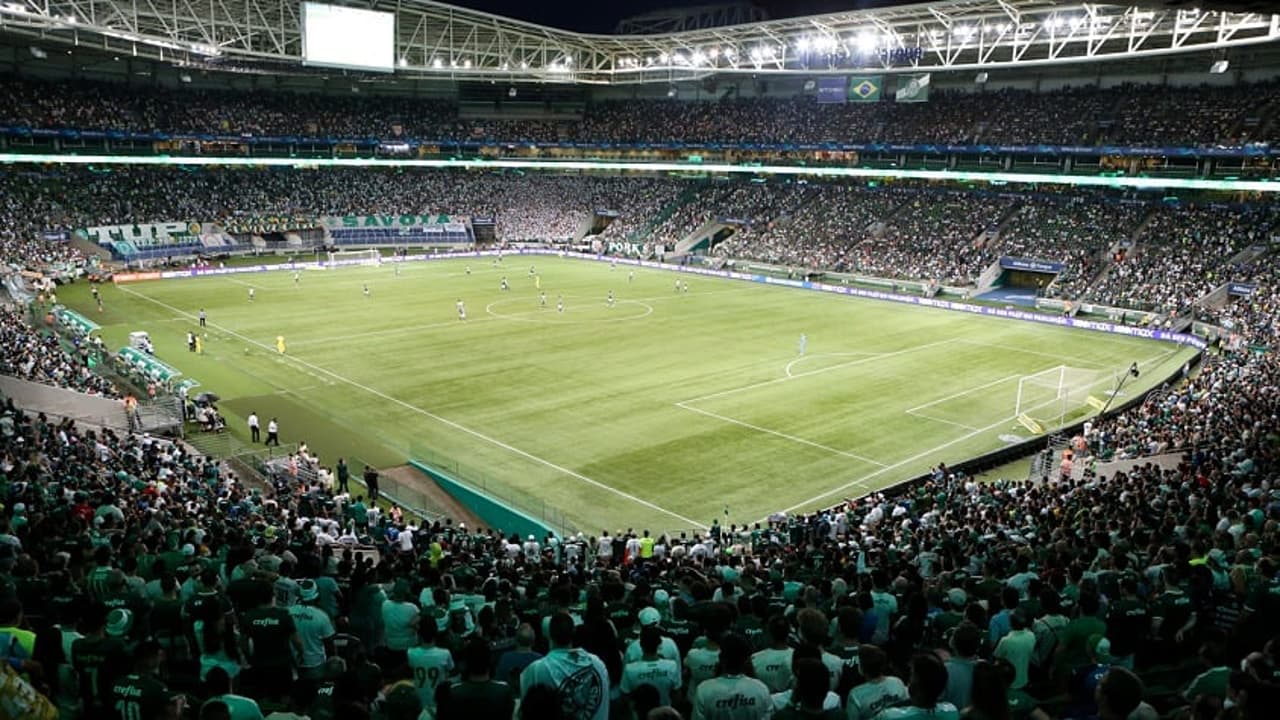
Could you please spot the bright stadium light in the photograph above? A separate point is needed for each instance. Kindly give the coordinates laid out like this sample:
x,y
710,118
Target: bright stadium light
x,y
466,63
663,58
866,42
1117,181
437,63
404,62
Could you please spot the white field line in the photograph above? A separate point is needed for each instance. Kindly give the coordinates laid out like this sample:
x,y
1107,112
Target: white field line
x,y
472,321
922,416
792,364
962,393
443,420
242,282
890,468
829,368
862,481
782,435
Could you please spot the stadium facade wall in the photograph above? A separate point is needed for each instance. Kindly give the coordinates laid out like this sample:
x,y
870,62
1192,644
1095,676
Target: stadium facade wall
x,y
492,511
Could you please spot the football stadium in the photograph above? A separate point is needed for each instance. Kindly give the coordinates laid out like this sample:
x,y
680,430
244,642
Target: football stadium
x,y
842,360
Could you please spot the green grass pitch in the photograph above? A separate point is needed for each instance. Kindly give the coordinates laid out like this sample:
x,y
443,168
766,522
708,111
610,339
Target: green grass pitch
x,y
656,413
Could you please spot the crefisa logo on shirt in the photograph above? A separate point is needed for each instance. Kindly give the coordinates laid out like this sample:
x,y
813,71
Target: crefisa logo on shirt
x,y
581,693
735,701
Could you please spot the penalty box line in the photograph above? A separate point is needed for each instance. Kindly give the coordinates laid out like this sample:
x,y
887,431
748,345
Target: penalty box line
x,y
864,480
689,404
438,418
784,436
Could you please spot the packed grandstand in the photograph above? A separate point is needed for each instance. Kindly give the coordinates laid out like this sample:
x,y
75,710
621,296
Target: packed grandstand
x,y
142,579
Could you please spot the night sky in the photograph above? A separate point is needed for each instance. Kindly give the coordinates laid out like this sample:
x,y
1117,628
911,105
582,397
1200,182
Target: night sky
x,y
602,16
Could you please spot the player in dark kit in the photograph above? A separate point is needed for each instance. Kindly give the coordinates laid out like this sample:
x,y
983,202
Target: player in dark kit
x,y
141,694
272,637
96,659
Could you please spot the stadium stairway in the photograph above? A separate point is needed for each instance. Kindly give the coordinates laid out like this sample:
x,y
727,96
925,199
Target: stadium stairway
x,y
86,410
704,232
1134,242
90,249
684,198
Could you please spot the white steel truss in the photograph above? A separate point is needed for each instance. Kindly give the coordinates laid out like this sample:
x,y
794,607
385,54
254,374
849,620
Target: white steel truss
x,y
438,40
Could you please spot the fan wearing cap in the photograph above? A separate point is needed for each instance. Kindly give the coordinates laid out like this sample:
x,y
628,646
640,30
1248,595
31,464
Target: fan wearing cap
x,y
651,668
732,695
667,648
96,658
315,630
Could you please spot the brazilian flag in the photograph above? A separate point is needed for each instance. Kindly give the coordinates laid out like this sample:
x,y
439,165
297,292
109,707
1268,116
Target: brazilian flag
x,y
865,88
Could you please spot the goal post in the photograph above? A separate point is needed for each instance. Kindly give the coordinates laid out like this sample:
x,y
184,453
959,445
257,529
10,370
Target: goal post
x,y
355,257
1054,393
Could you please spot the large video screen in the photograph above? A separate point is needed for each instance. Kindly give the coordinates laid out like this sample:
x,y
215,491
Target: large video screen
x,y
346,37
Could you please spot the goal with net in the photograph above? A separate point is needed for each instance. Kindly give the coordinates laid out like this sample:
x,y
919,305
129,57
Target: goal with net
x,y
355,257
1050,396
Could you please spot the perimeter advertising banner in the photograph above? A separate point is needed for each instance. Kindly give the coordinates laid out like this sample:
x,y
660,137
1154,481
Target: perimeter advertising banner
x,y
1040,266
257,224
142,234
388,221
833,90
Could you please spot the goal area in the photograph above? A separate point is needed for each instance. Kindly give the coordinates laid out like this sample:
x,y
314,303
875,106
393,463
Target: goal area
x,y
355,257
1055,394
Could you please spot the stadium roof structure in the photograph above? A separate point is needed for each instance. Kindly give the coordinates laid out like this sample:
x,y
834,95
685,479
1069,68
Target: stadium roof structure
x,y
435,40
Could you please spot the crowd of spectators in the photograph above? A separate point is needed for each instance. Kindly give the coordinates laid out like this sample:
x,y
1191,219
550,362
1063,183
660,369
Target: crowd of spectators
x,y
1130,114
1256,312
1078,231
1182,254
133,571
936,236
137,577
533,207
897,231
822,233
29,354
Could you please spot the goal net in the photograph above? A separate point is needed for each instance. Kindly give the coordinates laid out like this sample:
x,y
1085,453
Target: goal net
x,y
1055,393
356,257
